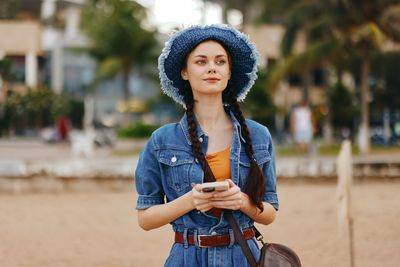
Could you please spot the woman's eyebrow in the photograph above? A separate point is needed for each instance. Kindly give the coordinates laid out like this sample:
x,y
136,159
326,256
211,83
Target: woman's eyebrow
x,y
204,56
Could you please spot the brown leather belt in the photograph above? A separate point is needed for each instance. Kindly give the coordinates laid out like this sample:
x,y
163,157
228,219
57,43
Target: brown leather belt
x,y
212,240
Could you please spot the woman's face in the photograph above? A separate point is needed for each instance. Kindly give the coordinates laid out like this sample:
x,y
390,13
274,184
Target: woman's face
x,y
207,69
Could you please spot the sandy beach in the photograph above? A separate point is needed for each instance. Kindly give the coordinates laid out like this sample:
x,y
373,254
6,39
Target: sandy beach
x,y
100,229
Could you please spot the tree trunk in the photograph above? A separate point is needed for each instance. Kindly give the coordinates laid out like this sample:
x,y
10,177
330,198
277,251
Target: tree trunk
x,y
89,112
307,83
327,128
224,13
125,80
126,71
243,7
364,140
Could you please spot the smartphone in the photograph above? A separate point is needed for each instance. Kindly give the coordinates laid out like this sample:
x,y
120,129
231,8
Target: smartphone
x,y
214,186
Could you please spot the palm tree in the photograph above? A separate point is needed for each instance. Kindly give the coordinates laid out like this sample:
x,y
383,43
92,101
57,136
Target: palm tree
x,y
119,40
9,9
350,29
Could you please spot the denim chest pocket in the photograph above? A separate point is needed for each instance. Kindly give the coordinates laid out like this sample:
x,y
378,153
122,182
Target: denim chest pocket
x,y
262,157
176,167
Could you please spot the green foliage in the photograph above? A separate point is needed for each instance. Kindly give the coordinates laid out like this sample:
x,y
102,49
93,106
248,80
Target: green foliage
x,y
137,130
351,29
36,109
343,106
390,22
75,112
119,41
259,102
115,27
385,70
334,149
316,55
5,69
9,8
348,29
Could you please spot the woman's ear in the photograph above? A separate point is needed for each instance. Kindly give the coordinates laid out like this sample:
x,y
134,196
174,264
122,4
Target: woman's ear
x,y
184,74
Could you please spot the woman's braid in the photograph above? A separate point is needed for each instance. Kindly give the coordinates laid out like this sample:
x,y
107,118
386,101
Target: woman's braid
x,y
255,182
196,144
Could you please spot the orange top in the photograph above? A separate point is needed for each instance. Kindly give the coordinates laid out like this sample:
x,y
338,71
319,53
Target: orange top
x,y
220,165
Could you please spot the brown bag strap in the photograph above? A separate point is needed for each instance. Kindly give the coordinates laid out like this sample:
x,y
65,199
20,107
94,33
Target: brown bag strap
x,y
240,238
258,235
235,227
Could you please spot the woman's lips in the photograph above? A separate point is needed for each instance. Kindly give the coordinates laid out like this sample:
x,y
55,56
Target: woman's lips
x,y
211,80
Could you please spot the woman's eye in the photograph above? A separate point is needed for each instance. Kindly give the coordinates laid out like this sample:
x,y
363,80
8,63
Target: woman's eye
x,y
221,62
200,62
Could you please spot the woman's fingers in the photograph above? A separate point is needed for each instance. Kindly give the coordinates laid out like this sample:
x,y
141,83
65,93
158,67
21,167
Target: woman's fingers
x,y
205,207
231,183
197,193
229,199
202,206
228,204
230,192
201,201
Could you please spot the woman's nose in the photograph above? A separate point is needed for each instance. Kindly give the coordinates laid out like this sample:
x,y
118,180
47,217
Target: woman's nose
x,y
211,70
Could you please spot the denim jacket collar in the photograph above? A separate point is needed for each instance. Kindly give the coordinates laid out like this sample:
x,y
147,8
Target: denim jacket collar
x,y
200,132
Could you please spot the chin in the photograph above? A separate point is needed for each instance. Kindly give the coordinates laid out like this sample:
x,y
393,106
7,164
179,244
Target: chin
x,y
213,91
209,90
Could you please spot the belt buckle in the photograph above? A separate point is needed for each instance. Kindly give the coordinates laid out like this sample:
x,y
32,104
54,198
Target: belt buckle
x,y
199,241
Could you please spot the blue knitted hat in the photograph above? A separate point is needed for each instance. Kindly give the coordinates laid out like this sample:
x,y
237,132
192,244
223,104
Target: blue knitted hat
x,y
244,57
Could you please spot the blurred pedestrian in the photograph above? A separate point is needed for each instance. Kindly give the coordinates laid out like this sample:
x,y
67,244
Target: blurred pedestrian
x,y
207,69
302,126
63,128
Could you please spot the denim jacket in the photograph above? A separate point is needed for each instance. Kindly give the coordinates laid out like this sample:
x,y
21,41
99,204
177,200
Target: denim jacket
x,y
167,168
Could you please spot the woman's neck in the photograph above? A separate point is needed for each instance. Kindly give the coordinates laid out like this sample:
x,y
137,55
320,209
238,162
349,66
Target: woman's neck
x,y
211,115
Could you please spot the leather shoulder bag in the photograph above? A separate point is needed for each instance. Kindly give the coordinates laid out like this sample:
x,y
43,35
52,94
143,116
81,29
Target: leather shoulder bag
x,y
272,254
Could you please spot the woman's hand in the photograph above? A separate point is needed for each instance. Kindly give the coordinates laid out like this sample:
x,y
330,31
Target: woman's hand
x,y
231,199
200,200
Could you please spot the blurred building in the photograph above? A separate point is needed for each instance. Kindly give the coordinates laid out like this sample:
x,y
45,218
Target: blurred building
x,y
40,42
21,43
45,45
267,38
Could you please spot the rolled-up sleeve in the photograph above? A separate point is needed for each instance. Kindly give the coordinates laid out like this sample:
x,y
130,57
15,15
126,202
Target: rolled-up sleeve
x,y
269,170
148,178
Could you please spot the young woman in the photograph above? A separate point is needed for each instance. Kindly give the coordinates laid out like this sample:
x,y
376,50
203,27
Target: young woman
x,y
207,69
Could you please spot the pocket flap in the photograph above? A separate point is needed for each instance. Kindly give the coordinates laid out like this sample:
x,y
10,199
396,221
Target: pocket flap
x,y
262,156
174,158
